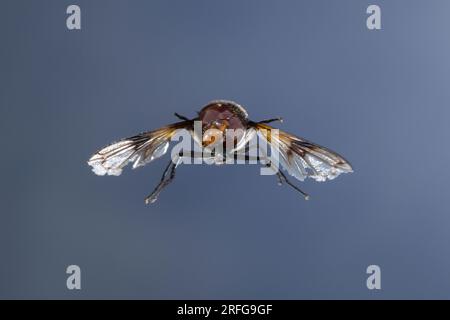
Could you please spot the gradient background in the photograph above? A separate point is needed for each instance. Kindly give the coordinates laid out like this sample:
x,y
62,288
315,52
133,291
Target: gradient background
x,y
381,98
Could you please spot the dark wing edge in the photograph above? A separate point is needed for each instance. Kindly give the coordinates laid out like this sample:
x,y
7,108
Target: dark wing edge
x,y
139,149
302,158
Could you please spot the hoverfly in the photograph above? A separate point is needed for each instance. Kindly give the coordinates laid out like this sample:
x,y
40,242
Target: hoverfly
x,y
298,157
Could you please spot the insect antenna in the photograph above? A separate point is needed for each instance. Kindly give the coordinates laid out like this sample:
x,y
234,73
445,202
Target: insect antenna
x,y
271,120
181,117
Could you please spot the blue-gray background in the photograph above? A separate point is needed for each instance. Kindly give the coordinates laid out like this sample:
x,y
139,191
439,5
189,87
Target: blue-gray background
x,y
381,98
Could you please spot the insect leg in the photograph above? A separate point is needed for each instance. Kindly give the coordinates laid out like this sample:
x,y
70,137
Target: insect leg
x,y
279,176
167,177
282,177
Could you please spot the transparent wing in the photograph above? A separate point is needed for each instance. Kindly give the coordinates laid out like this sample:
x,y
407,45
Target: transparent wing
x,y
301,158
140,150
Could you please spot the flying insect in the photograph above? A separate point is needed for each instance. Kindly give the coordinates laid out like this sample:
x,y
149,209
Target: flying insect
x,y
299,157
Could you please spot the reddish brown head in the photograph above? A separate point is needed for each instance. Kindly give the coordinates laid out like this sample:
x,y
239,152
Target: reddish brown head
x,y
222,115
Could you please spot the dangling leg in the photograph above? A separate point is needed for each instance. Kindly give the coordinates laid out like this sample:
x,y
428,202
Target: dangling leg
x,y
282,178
167,177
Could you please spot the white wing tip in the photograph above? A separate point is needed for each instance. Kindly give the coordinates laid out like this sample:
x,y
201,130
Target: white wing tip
x,y
101,169
331,174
